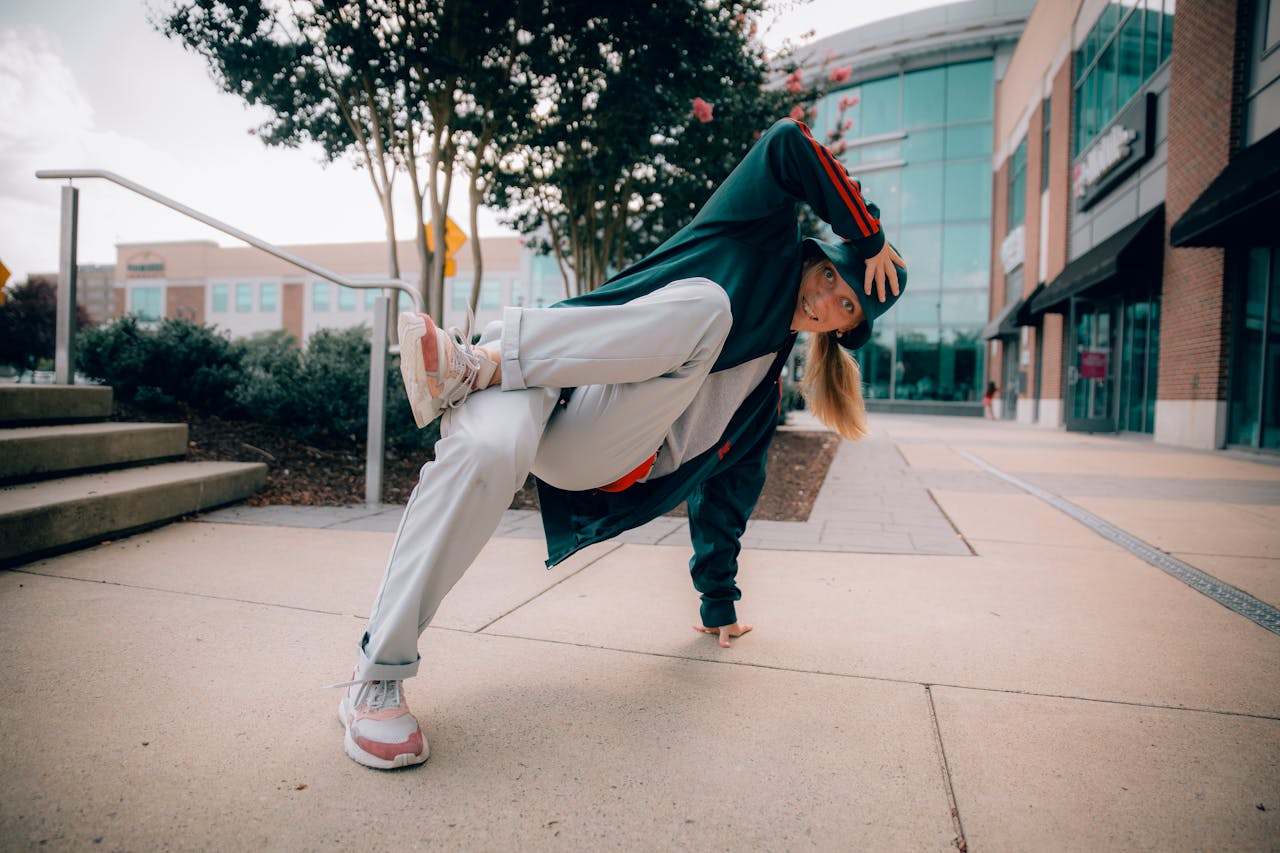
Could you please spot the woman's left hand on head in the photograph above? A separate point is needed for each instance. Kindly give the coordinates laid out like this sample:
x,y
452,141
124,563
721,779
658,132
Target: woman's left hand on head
x,y
883,268
725,632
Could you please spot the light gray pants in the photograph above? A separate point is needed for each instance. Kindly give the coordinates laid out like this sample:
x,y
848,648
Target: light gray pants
x,y
636,368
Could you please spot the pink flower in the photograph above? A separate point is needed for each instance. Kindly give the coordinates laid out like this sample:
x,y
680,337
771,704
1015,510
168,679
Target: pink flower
x,y
797,113
795,81
841,74
848,103
702,110
848,123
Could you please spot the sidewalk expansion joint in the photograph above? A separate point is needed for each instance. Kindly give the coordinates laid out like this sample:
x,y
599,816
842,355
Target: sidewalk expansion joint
x,y
1236,600
947,785
943,513
181,592
1155,706
535,597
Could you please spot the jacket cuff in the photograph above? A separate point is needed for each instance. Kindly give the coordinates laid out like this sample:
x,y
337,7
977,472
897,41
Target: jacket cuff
x,y
718,613
870,246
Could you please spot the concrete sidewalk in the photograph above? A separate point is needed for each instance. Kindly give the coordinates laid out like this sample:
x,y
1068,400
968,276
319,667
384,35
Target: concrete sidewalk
x,y
953,650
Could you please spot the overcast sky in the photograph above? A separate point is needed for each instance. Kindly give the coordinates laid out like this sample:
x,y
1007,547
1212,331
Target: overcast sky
x,y
93,85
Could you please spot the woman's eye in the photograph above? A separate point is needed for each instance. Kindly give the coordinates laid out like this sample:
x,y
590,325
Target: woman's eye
x,y
848,306
828,273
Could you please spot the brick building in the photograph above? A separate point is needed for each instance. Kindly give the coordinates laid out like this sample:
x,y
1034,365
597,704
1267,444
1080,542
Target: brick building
x,y
1135,162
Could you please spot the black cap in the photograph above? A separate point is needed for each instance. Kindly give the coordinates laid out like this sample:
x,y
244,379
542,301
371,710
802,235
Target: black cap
x,y
852,267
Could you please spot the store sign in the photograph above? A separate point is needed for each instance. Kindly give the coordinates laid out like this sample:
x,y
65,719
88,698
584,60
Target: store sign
x,y
1093,364
1112,157
1013,248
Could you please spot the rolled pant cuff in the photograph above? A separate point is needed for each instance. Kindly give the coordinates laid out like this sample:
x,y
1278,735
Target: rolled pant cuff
x,y
512,375
367,670
716,614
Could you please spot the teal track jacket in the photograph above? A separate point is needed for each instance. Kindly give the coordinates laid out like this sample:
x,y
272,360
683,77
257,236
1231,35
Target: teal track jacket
x,y
746,239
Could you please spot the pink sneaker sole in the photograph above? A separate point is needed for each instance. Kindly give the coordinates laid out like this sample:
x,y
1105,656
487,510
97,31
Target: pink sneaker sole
x,y
360,756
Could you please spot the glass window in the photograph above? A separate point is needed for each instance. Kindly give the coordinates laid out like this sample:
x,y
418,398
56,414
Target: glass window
x,y
220,298
1273,25
967,191
460,294
1151,41
882,188
966,257
1018,185
1044,149
320,296
371,298
921,201
885,151
880,106
1247,369
921,309
490,293
970,91
964,307
921,146
969,140
919,360
876,361
145,302
1129,59
923,97
268,296
244,298
1106,85
1107,21
921,248
346,299
548,285
517,292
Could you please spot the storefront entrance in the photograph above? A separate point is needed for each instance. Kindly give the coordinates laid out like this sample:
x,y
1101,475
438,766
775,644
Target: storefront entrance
x,y
1091,368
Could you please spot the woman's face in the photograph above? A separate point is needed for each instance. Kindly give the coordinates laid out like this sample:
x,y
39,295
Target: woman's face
x,y
826,302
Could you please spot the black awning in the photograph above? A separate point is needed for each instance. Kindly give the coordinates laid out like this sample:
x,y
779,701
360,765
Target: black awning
x,y
1005,324
1241,206
1025,314
1129,252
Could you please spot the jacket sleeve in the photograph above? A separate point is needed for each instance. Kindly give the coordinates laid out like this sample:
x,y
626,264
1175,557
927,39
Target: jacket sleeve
x,y
788,165
718,513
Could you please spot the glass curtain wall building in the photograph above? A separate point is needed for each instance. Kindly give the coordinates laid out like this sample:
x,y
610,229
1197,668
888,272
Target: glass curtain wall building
x,y
921,142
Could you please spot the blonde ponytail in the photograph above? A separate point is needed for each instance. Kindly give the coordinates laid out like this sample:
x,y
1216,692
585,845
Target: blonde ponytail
x,y
832,387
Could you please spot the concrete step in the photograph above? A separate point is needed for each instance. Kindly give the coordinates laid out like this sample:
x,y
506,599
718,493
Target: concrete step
x,y
44,404
55,515
32,452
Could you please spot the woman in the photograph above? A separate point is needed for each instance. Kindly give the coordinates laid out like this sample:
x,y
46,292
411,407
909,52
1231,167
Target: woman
x,y
988,396
657,388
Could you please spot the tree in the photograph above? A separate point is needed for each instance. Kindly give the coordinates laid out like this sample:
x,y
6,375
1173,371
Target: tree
x,y
638,122
28,323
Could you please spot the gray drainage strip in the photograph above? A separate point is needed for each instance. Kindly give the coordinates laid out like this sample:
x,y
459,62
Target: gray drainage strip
x,y
1225,594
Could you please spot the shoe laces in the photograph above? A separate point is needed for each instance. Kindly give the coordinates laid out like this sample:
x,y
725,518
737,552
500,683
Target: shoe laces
x,y
464,359
377,695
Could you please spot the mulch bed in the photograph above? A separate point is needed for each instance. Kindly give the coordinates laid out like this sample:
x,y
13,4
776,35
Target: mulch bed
x,y
301,474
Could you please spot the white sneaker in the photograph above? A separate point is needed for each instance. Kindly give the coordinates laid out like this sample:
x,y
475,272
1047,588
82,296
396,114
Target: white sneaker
x,y
440,369
381,732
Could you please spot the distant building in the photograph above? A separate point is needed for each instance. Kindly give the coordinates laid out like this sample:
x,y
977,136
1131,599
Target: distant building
x,y
1137,190
920,143
245,291
95,284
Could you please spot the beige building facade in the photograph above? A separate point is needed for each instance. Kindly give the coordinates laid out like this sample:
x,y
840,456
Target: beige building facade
x,y
243,291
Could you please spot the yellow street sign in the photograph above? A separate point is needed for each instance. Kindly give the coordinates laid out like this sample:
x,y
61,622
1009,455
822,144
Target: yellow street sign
x,y
4,276
453,240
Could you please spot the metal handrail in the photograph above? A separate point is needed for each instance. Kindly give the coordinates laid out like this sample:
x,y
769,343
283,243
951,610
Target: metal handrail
x,y
65,355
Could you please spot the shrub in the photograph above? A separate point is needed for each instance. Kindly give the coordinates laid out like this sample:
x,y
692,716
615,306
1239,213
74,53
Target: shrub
x,y
179,361
28,323
321,392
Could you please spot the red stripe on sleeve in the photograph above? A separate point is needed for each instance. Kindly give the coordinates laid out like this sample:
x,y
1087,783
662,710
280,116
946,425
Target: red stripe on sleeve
x,y
861,216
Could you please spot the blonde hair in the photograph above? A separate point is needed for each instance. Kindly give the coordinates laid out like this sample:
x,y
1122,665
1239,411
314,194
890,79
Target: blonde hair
x,y
832,388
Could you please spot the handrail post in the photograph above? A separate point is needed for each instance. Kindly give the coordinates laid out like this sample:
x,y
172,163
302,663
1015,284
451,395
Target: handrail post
x,y
376,436
64,354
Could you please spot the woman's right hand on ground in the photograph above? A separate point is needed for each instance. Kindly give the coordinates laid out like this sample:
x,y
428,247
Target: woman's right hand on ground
x,y
724,632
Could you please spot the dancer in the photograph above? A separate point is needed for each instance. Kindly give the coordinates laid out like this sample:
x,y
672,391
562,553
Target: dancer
x,y
661,386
